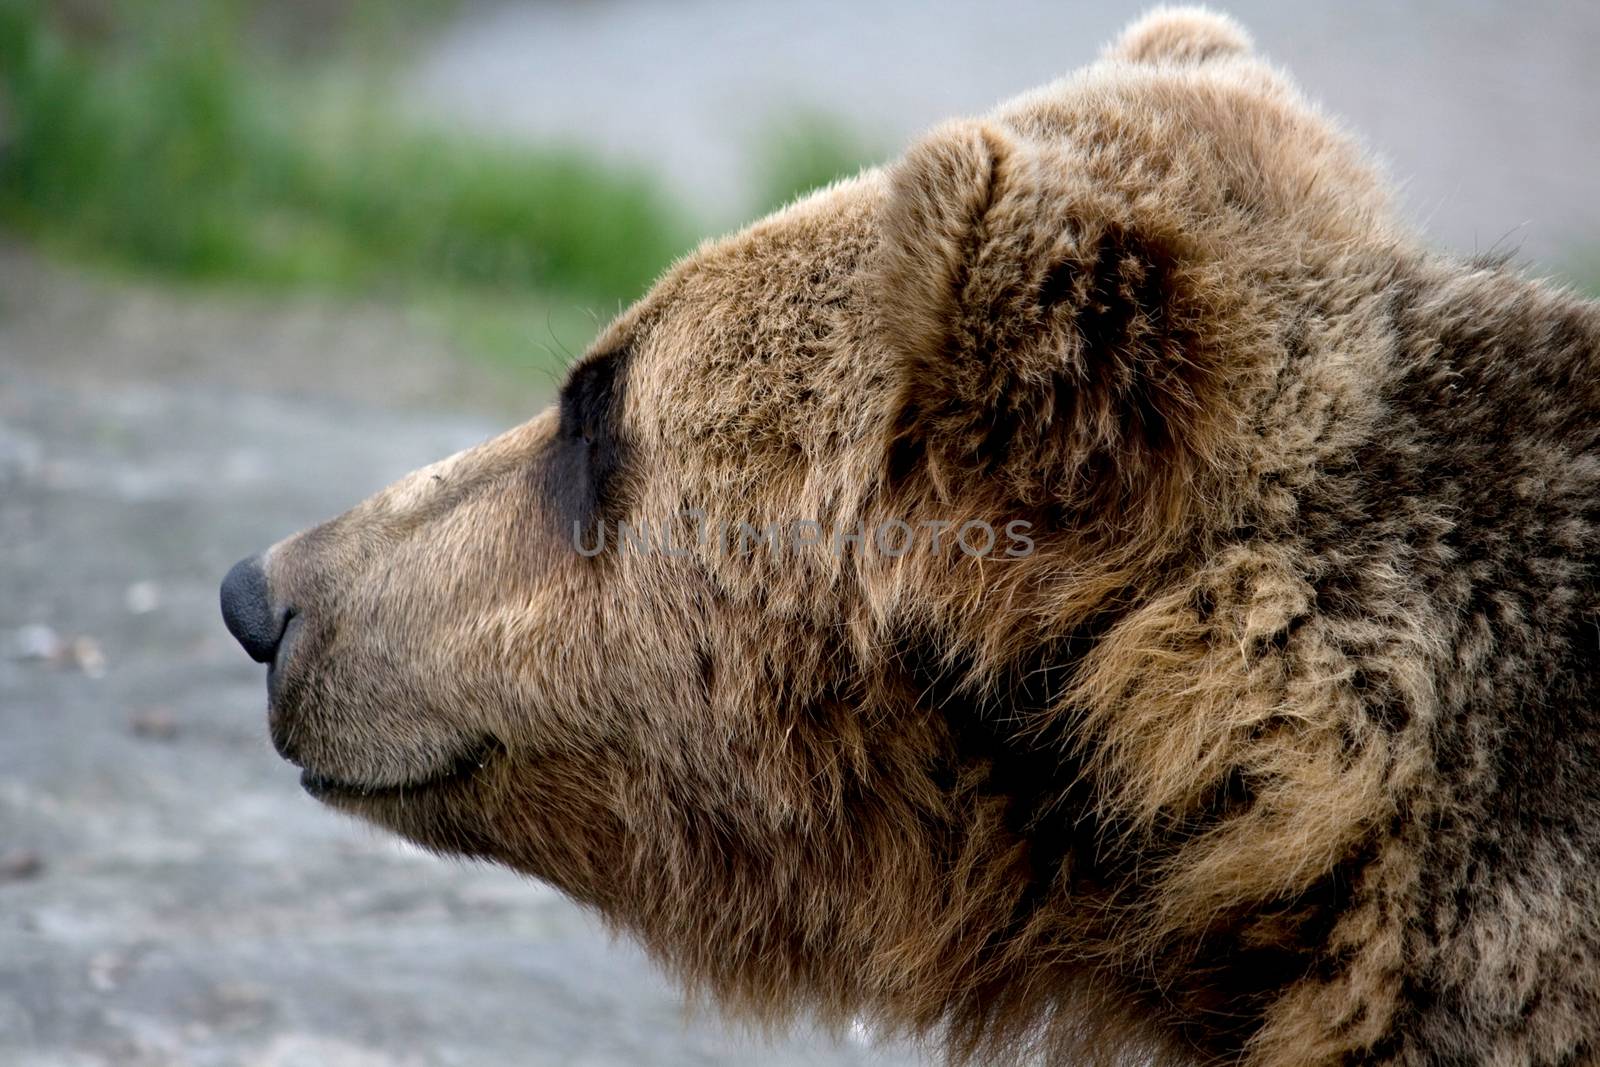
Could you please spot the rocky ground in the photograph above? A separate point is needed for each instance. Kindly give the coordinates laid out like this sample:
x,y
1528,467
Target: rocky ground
x,y
168,896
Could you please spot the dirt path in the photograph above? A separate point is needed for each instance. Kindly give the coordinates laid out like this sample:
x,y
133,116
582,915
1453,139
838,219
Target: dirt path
x,y
168,896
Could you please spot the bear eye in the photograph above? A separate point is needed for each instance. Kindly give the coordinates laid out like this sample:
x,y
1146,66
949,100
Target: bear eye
x,y
588,399
588,453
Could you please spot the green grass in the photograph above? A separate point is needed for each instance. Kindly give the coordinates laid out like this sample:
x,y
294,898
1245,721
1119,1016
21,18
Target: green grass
x,y
175,150
535,335
163,144
806,151
1587,273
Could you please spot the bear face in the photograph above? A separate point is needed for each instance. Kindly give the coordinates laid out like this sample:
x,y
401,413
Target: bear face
x,y
975,599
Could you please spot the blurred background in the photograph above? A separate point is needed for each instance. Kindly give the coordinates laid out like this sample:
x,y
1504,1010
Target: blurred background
x,y
259,258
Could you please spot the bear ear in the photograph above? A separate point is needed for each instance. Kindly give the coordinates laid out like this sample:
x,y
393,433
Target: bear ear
x,y
1038,322
940,194
1180,35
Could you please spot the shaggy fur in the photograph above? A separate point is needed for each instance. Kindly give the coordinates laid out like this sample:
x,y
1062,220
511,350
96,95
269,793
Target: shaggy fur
x,y
1281,747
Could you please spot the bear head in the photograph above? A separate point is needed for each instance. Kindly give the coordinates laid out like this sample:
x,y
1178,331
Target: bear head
x,y
840,631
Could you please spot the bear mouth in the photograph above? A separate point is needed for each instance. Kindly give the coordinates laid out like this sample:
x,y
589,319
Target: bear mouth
x,y
330,789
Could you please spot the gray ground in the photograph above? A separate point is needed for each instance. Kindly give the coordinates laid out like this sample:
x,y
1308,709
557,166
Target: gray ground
x,y
168,896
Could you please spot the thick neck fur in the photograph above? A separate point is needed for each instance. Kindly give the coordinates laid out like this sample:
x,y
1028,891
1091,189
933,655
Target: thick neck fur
x,y
1183,796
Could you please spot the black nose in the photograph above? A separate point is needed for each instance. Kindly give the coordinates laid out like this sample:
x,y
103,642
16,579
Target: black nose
x,y
248,611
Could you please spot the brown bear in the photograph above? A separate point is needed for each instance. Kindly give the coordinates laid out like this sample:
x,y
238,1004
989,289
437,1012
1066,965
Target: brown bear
x,y
1095,589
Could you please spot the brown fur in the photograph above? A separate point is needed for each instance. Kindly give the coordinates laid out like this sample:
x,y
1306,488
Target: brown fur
x,y
1280,747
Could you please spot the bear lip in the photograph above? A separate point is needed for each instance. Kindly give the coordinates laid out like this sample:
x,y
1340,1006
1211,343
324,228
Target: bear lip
x,y
327,787
288,640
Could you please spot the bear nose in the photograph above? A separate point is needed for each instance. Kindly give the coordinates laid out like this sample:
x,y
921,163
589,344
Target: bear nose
x,y
248,612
